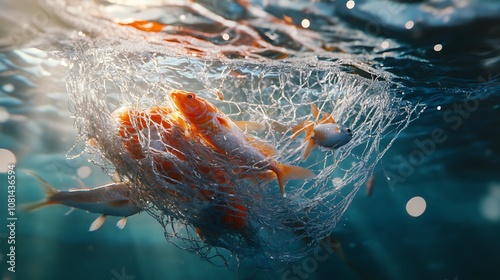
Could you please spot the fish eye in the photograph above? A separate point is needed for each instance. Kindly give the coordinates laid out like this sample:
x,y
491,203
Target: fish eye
x,y
189,96
349,130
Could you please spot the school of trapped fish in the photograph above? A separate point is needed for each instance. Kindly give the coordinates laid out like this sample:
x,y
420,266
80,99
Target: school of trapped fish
x,y
237,157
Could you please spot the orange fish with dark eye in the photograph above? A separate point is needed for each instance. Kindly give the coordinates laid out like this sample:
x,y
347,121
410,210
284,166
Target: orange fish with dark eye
x,y
324,132
226,137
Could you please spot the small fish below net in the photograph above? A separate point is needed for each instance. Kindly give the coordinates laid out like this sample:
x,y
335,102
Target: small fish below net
x,y
212,203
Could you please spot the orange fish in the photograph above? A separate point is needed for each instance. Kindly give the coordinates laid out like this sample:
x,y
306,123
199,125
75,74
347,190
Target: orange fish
x,y
144,25
171,129
227,138
165,130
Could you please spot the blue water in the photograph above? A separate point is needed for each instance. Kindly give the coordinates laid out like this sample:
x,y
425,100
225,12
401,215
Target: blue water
x,y
449,62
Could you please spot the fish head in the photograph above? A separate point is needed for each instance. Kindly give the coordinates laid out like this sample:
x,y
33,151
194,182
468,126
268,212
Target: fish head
x,y
332,135
193,107
346,134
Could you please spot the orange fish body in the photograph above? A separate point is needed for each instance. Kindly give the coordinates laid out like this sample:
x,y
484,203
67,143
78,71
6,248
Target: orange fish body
x,y
164,128
227,138
171,128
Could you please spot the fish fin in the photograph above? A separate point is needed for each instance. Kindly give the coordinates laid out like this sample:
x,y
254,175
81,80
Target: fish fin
x,y
48,190
281,128
97,223
289,172
267,176
309,147
314,110
144,25
249,125
309,140
303,126
327,118
69,211
121,223
199,232
222,121
265,148
34,206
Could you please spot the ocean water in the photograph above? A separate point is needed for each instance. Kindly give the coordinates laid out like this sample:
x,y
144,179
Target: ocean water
x,y
434,207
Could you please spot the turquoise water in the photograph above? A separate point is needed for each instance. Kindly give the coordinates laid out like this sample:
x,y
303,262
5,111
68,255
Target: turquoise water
x,y
447,62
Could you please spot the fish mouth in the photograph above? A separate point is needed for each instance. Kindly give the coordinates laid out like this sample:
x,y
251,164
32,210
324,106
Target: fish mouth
x,y
176,96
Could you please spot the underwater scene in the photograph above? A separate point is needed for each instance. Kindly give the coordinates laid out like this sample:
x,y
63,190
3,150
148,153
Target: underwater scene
x,y
238,139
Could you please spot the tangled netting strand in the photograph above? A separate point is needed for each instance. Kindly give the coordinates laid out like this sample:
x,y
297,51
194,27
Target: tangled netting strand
x,y
191,202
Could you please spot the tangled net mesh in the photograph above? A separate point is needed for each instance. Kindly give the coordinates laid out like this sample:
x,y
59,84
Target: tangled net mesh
x,y
119,97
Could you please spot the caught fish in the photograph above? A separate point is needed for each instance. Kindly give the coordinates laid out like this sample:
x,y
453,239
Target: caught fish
x,y
324,132
229,139
167,131
161,126
109,200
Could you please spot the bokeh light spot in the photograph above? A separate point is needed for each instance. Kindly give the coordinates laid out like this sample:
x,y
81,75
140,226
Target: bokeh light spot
x,y
8,88
6,157
84,172
409,24
384,45
4,114
305,23
490,205
416,206
350,4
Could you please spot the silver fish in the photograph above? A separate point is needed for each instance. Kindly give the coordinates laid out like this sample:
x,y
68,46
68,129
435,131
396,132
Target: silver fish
x,y
112,199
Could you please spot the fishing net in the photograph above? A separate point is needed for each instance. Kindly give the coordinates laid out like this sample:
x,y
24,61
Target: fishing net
x,y
206,202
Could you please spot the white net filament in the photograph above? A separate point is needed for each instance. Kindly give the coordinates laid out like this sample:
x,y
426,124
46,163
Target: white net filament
x,y
192,190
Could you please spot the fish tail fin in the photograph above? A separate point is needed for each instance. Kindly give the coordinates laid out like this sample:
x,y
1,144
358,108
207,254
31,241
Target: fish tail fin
x,y
48,190
314,110
310,142
290,172
35,206
307,126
